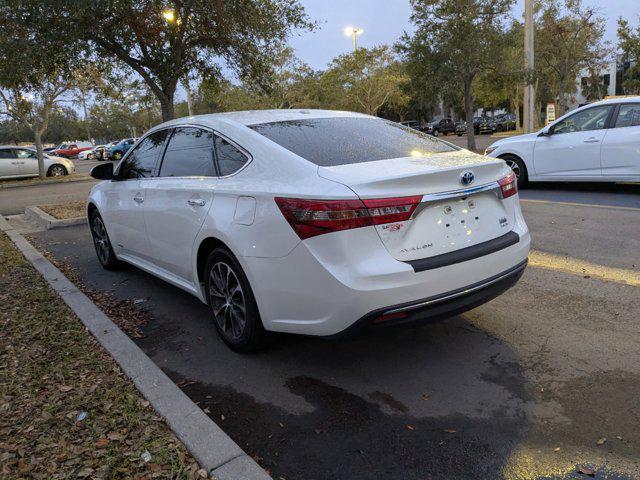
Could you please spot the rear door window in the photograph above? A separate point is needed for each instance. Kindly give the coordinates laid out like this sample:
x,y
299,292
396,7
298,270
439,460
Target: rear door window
x,y
189,154
628,116
7,153
143,159
329,142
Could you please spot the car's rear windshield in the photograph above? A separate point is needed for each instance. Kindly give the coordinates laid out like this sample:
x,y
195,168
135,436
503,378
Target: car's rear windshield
x,y
329,142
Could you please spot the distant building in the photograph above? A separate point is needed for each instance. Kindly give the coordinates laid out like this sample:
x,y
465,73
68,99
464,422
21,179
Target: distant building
x,y
591,88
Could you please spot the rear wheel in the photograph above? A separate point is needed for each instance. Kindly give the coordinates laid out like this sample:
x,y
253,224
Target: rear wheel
x,y
234,308
518,167
102,244
436,133
57,170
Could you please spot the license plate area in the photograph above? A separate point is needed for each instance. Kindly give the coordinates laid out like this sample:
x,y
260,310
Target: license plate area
x,y
443,226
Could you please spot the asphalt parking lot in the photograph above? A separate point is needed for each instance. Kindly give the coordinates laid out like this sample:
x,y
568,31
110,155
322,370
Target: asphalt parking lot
x,y
539,383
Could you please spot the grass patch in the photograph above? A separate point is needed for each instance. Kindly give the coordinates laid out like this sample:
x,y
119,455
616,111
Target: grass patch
x,y
66,409
62,211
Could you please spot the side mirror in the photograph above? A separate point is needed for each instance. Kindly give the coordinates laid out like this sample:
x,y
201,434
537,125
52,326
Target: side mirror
x,y
103,171
546,132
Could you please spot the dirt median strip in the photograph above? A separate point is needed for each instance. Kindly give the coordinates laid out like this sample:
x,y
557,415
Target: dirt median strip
x,y
94,403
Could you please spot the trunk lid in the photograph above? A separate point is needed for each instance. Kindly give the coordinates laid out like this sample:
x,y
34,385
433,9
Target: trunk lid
x,y
447,219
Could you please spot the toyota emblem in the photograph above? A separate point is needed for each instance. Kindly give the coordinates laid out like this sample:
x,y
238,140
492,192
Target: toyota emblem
x,y
466,178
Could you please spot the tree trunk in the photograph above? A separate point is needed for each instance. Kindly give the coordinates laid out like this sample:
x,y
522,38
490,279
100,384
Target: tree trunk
x,y
37,137
561,103
86,117
516,109
187,88
468,108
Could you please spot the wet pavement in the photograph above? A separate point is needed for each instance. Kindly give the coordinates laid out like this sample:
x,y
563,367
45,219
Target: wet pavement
x,y
526,386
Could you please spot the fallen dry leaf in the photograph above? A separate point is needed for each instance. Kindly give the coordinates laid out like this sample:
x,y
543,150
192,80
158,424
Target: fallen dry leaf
x,y
601,441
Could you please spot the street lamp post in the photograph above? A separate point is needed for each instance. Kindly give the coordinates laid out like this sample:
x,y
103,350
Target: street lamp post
x,y
354,32
529,92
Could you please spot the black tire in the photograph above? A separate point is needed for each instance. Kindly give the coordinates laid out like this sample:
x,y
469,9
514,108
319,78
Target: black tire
x,y
57,170
459,134
518,167
102,244
227,297
436,132
117,156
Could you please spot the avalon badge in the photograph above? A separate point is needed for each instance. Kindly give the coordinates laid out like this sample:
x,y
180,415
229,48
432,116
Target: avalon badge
x,y
466,178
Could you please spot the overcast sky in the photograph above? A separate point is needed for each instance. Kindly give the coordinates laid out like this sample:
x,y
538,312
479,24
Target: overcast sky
x,y
384,21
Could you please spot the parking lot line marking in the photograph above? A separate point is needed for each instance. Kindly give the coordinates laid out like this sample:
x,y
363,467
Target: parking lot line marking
x,y
551,261
576,204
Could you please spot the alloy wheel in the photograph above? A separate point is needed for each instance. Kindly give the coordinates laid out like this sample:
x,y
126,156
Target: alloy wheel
x,y
57,171
513,165
227,300
100,239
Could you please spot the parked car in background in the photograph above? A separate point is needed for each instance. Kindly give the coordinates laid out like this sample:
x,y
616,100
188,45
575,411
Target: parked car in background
x,y
505,122
415,124
18,162
117,151
50,149
440,126
70,150
90,154
488,125
265,215
476,124
594,143
461,128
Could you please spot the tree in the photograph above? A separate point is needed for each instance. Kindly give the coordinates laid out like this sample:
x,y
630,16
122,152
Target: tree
x,y
629,43
35,67
458,41
164,41
366,80
501,85
568,41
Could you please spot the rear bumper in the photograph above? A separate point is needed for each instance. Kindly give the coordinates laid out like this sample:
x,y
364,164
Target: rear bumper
x,y
440,306
325,285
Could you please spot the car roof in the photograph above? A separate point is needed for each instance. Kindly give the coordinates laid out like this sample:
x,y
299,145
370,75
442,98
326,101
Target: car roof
x,y
17,146
252,117
620,99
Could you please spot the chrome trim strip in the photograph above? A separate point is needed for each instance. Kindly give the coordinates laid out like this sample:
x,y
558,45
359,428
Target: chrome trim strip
x,y
460,293
432,197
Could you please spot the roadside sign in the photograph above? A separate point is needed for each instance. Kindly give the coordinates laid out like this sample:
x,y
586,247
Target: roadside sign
x,y
551,112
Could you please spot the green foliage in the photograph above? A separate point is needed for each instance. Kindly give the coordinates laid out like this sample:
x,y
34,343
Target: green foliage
x,y
568,41
629,43
164,41
365,82
453,43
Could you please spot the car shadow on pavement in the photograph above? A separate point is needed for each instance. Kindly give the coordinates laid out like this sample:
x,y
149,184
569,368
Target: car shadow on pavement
x,y
442,401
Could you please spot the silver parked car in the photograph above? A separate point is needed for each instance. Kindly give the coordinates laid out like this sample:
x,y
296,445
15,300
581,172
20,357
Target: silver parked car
x,y
16,162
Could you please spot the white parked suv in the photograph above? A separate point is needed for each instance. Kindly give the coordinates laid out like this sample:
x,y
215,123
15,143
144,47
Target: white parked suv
x,y
599,142
16,162
312,222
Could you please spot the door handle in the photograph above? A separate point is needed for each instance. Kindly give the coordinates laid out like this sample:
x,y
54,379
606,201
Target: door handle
x,y
138,199
592,140
196,202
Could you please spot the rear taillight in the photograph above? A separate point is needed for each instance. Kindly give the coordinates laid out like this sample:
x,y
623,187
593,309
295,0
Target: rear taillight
x,y
314,217
508,185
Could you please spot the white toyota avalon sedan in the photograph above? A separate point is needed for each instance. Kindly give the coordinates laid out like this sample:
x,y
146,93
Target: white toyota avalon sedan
x,y
599,142
311,222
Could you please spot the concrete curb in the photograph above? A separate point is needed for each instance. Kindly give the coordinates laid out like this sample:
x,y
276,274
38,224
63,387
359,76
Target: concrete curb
x,y
210,446
26,183
45,220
